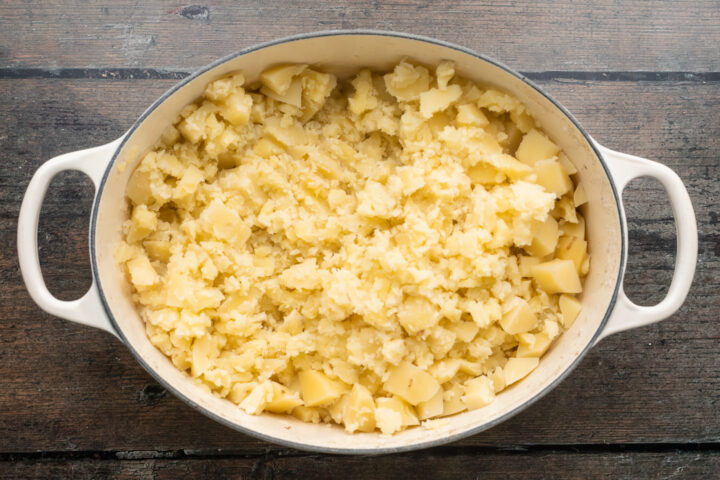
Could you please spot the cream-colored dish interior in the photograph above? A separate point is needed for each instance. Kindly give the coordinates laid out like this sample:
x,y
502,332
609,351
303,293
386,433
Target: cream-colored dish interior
x,y
345,55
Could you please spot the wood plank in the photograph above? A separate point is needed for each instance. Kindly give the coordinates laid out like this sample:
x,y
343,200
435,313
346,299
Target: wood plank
x,y
529,36
65,387
430,464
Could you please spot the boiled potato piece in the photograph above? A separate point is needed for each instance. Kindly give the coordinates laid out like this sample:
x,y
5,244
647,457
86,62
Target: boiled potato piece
x,y
142,273
452,400
279,78
431,408
485,174
535,146
518,368
292,96
519,319
316,388
526,263
574,229
283,399
416,314
553,177
479,392
533,345
436,100
570,308
411,383
142,222
359,410
572,248
469,114
545,238
392,414
557,276
307,414
580,197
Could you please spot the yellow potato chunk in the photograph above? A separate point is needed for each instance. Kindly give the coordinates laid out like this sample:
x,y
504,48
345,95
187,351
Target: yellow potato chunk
x,y
416,314
237,108
392,414
580,197
411,383
436,100
452,400
557,276
142,223
576,229
283,399
545,239
526,263
142,273
138,189
552,176
470,114
359,410
307,414
570,308
464,331
316,388
485,174
533,345
292,96
519,319
406,82
479,392
572,248
280,77
431,408
518,368
535,146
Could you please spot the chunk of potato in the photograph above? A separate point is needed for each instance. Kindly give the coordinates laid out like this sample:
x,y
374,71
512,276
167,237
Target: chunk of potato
x,y
469,114
142,273
580,197
498,378
570,309
518,368
572,248
464,331
283,399
416,314
485,174
519,319
479,392
411,383
392,414
576,229
280,77
292,96
533,345
316,388
535,146
359,410
557,276
525,264
553,177
431,408
437,100
307,414
452,400
545,238
142,223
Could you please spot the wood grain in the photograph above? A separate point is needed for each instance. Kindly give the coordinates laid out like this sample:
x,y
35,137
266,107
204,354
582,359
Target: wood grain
x,y
434,464
68,388
531,36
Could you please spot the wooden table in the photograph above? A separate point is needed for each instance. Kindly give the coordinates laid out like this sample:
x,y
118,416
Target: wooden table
x,y
642,77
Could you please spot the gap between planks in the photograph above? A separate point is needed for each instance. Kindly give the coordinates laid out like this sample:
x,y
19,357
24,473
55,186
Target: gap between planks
x,y
278,452
168,74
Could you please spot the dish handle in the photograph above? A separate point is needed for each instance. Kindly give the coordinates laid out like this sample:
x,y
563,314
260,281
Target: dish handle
x,y
626,314
88,309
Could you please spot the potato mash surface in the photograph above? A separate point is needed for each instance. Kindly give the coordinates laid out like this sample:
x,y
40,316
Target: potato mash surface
x,y
373,252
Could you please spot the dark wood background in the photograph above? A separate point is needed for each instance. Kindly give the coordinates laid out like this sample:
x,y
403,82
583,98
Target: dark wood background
x,y
642,76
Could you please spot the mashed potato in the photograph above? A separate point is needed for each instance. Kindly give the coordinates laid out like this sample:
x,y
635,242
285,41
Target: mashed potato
x,y
376,253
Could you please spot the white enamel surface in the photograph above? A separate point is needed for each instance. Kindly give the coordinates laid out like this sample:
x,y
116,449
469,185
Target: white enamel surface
x,y
344,55
88,309
626,314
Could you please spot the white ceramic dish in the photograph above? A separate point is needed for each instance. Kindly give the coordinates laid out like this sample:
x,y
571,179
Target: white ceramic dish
x,y
606,309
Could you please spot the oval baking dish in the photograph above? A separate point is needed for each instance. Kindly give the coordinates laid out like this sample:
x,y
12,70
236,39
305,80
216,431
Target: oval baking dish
x,y
604,173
